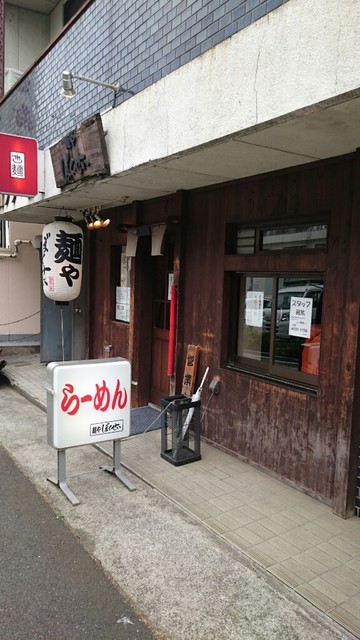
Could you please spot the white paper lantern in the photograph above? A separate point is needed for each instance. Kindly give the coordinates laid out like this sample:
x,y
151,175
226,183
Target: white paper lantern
x,y
62,256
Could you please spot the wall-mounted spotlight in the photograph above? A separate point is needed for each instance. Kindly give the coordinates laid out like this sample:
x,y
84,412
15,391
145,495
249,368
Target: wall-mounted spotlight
x,y
105,222
68,90
89,219
99,222
94,220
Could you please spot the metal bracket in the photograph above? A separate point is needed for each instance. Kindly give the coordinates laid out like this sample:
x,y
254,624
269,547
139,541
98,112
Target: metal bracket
x,y
116,468
60,480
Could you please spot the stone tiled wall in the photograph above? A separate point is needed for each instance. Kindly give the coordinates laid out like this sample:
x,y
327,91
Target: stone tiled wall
x,y
136,42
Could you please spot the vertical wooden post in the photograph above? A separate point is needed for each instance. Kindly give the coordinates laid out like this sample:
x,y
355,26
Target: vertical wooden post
x,y
348,434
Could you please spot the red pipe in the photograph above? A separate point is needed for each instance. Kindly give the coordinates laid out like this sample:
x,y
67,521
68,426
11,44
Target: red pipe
x,y
172,327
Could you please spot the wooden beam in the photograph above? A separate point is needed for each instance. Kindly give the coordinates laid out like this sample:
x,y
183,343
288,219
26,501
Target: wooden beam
x,y
348,433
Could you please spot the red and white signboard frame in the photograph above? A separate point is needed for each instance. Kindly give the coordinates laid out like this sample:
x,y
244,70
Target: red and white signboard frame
x,y
88,401
18,165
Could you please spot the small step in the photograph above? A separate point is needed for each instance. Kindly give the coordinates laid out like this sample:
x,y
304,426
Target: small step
x,y
18,349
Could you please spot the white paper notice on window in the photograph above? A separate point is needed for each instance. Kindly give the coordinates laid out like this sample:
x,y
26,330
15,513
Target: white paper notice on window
x,y
122,305
300,317
123,295
254,308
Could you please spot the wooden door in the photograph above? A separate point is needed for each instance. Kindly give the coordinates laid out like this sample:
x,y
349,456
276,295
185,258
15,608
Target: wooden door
x,y
163,268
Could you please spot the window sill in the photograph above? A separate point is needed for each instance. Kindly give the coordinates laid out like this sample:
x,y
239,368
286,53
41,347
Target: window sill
x,y
301,387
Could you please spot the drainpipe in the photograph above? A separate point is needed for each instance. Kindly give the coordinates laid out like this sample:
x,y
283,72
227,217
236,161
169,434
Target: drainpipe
x,y
14,253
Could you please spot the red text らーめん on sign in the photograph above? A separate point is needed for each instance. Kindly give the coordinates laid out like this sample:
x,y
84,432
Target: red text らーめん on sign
x,y
18,165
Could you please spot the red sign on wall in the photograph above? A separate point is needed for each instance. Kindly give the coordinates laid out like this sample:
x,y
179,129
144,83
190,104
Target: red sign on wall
x,y
18,165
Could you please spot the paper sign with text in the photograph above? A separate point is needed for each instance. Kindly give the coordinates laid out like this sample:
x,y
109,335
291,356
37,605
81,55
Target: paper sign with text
x,y
300,317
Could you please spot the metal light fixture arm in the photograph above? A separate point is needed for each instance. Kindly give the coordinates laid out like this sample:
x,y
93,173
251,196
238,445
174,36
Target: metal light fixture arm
x,y
115,86
68,90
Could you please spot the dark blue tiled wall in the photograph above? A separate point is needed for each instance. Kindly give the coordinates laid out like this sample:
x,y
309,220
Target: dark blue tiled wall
x,y
135,42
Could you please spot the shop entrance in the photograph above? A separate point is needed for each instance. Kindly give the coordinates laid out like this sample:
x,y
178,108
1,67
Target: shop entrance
x,y
163,273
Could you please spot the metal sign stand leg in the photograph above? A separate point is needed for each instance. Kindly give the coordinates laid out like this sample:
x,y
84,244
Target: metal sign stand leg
x,y
60,481
116,468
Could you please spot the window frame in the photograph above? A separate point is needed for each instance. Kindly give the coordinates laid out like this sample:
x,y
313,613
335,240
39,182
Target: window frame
x,y
320,218
235,288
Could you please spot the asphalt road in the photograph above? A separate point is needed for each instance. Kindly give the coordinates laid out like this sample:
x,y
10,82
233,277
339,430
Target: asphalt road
x,y
50,588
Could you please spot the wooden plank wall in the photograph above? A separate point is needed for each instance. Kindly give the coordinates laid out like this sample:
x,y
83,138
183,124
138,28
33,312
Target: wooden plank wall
x,y
97,243
304,438
133,340
289,432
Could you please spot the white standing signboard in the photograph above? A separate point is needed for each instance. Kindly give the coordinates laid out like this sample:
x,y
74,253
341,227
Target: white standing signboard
x,y
88,401
300,317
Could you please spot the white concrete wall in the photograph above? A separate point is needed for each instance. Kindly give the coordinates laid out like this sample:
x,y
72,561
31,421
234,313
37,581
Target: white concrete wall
x,y
20,285
56,20
305,52
296,59
27,34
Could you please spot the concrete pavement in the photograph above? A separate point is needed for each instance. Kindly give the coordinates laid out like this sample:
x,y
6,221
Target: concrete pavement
x,y
191,583
50,586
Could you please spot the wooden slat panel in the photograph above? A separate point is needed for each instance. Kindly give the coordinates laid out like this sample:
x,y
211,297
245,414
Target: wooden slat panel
x,y
159,378
304,438
289,432
99,265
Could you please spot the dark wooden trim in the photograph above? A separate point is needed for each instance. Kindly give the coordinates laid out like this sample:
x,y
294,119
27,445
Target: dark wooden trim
x,y
140,329
276,262
308,437
258,178
348,432
87,279
179,280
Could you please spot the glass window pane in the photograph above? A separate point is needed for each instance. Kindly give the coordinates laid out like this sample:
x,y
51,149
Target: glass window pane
x,y
276,325
298,325
301,237
253,340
